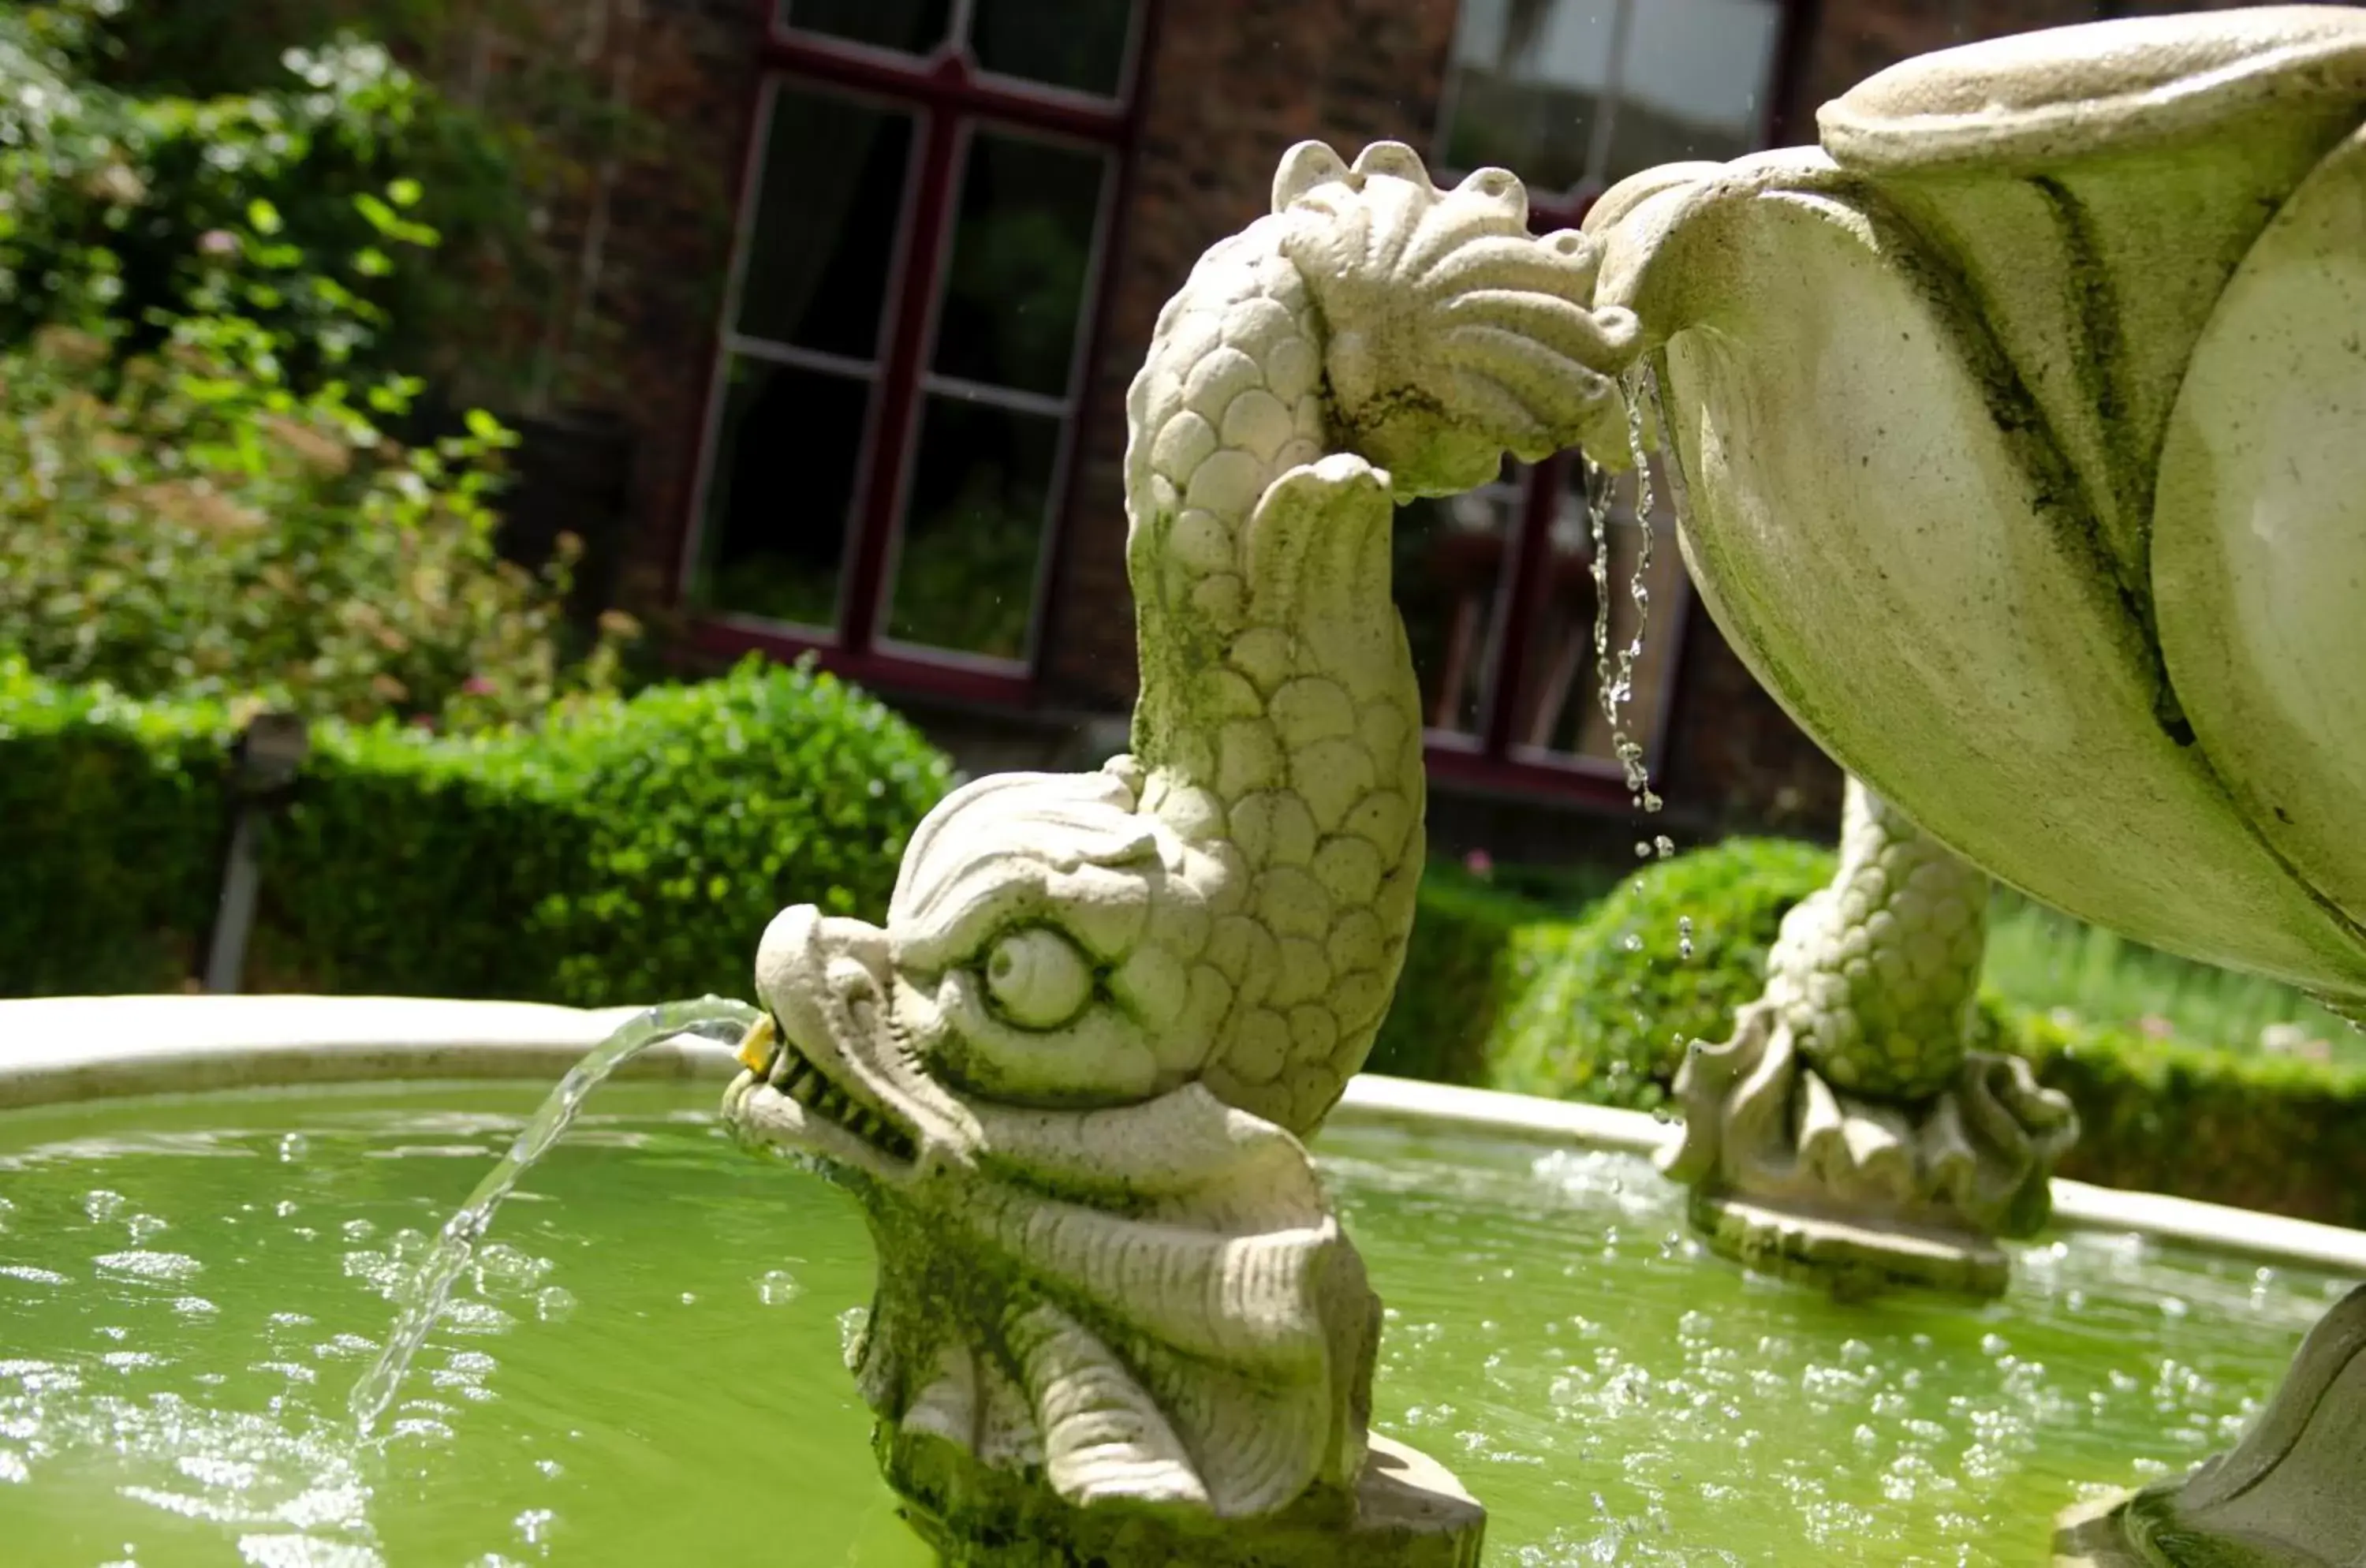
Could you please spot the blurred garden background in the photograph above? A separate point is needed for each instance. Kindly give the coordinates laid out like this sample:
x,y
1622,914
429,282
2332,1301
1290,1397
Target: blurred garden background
x,y
303,324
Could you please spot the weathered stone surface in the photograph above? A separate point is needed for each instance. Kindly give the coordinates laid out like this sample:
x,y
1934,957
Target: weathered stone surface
x,y
1405,1512
2287,1497
1846,1132
1068,1076
2016,425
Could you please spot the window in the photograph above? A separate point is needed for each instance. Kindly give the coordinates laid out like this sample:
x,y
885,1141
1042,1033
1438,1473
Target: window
x,y
1574,96
1501,598
1501,589
903,342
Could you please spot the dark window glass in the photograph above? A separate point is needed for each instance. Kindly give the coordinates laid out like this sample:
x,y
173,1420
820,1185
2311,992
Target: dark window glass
x,y
1692,82
1023,245
823,244
1077,44
776,529
974,532
1451,556
1567,93
1526,87
914,26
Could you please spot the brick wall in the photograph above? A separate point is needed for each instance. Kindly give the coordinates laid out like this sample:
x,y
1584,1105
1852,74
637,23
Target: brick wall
x,y
1233,82
671,248
659,264
1229,85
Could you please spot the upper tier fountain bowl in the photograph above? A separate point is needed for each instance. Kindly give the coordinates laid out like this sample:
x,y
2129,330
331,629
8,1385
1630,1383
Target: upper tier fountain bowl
x,y
644,1366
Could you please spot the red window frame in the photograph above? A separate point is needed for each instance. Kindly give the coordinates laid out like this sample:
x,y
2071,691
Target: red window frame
x,y
950,96
1494,761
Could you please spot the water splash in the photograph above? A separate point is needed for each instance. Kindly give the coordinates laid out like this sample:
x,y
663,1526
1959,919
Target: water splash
x,y
456,1246
1617,678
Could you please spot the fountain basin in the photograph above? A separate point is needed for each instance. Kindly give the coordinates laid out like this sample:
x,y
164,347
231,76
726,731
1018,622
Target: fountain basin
x,y
174,1393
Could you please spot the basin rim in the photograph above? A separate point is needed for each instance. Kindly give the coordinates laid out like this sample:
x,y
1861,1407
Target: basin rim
x,y
65,1050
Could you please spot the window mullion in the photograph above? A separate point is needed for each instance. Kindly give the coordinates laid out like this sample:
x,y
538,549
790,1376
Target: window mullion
x,y
1613,76
899,394
1527,583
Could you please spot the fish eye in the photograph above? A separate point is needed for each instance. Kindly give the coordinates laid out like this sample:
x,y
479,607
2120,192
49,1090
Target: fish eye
x,y
1037,978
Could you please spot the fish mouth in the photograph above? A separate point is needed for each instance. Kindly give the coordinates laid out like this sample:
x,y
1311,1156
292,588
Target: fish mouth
x,y
849,1110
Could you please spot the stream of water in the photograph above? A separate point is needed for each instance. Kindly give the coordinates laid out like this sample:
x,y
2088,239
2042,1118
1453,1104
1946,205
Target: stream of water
x,y
456,1245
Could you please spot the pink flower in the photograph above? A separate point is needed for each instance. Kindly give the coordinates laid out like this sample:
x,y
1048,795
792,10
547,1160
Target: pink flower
x,y
422,721
478,686
1479,862
217,242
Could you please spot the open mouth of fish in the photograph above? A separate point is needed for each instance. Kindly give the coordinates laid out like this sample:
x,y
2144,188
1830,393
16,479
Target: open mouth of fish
x,y
771,1056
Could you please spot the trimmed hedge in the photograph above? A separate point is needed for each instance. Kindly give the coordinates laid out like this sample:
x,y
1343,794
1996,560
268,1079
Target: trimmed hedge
x,y
1609,1004
1459,968
2280,1134
1516,995
636,852
633,851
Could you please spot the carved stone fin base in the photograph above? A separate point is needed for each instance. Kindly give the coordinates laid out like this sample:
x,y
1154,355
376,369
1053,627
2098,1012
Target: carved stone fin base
x,y
1407,1512
2286,1496
1852,1257
2090,1536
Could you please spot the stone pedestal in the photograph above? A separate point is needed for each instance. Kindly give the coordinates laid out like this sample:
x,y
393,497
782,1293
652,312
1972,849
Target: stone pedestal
x,y
1850,1256
1406,1512
1846,1133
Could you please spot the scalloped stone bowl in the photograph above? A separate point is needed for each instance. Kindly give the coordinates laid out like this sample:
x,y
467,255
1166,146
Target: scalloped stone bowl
x,y
210,1205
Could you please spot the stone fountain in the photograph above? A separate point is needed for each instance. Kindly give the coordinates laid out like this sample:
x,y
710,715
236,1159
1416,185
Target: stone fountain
x,y
2016,431
1069,1077
2020,434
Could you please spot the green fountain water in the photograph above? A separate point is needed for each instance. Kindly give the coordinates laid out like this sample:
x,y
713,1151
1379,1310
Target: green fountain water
x,y
641,1364
425,1295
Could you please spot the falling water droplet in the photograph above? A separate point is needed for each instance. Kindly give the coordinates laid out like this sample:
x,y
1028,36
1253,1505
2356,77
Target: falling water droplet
x,y
1615,677
293,1147
1664,845
554,1303
778,1287
102,1205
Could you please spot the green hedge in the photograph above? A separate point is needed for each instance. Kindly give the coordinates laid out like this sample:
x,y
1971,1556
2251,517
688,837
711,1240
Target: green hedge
x,y
2280,1134
1513,995
638,852
1461,966
633,851
1609,1004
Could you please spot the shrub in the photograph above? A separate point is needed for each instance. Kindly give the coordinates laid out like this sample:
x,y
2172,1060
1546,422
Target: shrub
x,y
631,850
112,822
196,297
2273,1133
201,531
1598,1009
1457,972
1603,1007
289,204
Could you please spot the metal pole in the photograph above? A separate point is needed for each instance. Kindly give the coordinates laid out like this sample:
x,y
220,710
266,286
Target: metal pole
x,y
265,761
234,920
